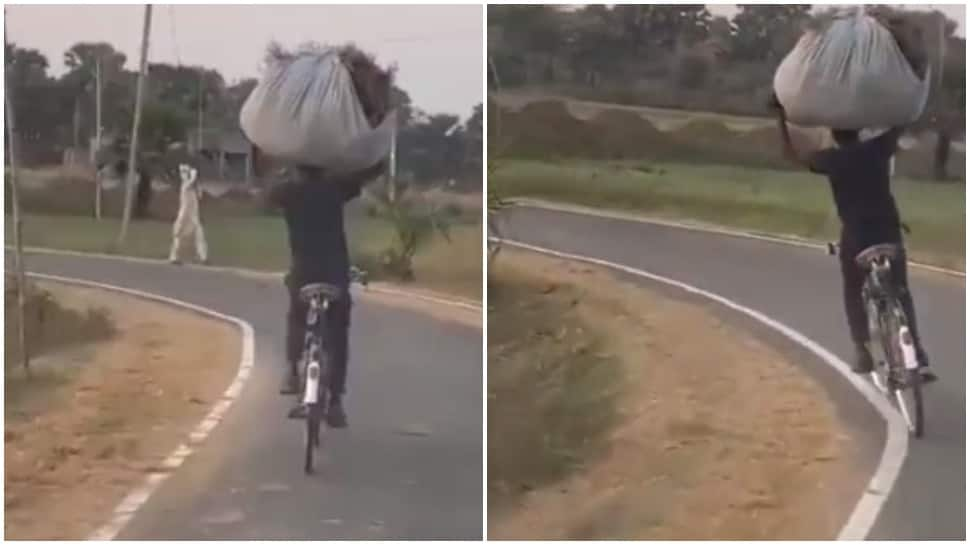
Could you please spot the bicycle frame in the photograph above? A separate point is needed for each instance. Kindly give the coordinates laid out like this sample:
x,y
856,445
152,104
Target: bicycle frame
x,y
881,297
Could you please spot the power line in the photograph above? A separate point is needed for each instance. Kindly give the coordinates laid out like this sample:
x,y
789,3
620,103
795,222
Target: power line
x,y
435,37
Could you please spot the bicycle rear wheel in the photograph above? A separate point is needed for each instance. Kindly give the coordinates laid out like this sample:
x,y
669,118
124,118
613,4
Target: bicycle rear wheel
x,y
906,384
910,400
312,437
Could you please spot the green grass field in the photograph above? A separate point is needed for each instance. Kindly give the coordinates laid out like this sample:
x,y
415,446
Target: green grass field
x,y
759,200
259,242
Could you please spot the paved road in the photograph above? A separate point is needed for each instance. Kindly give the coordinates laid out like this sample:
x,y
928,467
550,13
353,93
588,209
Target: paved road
x,y
801,288
410,467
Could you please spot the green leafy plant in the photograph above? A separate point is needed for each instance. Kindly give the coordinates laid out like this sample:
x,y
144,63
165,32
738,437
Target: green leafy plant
x,y
415,220
496,203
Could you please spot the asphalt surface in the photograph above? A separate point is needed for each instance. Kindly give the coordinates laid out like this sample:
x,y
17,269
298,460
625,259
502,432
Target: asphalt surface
x,y
802,288
410,466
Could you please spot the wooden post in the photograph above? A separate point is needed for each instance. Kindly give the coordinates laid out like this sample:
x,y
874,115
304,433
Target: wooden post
x,y
97,139
133,152
17,229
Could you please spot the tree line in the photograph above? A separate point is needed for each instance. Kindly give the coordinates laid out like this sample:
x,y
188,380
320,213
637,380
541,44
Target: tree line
x,y
58,113
684,57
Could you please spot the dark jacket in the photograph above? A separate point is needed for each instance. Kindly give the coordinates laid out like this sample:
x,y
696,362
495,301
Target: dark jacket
x,y
313,207
859,176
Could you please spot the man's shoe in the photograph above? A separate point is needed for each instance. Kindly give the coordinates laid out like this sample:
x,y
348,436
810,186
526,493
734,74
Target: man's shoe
x,y
336,416
291,384
926,375
298,412
863,360
922,357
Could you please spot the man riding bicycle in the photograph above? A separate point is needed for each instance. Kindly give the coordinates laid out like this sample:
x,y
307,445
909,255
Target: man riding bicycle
x,y
312,201
859,173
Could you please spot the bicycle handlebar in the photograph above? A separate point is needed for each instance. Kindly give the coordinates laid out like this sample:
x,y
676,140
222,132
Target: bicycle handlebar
x,y
359,275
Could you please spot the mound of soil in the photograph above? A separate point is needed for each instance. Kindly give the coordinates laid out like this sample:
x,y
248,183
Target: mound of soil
x,y
626,135
705,131
547,129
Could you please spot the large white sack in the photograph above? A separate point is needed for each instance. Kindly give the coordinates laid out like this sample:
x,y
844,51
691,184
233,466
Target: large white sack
x,y
305,110
850,75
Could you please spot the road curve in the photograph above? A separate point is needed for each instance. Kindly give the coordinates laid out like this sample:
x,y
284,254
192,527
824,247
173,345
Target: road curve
x,y
801,288
410,466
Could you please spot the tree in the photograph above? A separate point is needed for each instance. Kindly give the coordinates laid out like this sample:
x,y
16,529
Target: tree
x,y
661,28
42,108
401,101
25,67
472,164
233,100
948,116
82,60
530,37
428,150
766,32
187,89
929,39
594,44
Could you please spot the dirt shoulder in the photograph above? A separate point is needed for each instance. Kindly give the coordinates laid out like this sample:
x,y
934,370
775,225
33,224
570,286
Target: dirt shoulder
x,y
709,433
100,415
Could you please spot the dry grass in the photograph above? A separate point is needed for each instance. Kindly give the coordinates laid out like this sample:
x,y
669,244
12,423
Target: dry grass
x,y
97,417
700,431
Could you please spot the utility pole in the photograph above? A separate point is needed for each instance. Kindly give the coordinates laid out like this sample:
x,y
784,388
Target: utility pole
x,y
201,94
17,224
392,170
133,151
97,138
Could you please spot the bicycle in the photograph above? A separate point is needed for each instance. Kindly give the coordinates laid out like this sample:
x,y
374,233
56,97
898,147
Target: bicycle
x,y
896,373
316,361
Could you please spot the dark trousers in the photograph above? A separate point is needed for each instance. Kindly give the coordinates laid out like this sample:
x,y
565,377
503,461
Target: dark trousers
x,y
854,276
336,336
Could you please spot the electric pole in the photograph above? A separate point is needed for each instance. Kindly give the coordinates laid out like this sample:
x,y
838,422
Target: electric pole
x,y
97,138
17,222
133,151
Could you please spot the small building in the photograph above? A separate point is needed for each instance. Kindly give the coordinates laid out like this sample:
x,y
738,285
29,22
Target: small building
x,y
229,150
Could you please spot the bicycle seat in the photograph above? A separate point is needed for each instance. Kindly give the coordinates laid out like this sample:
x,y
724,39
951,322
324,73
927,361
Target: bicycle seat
x,y
872,253
328,291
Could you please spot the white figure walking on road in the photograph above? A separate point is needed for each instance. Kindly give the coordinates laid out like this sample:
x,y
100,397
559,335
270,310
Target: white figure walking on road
x,y
188,223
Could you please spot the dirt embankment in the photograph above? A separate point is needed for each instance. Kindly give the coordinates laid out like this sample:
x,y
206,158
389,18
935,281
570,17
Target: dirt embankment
x,y
98,415
696,430
547,129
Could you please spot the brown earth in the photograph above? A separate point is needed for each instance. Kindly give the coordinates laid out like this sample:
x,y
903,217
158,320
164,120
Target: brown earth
x,y
547,129
717,435
98,416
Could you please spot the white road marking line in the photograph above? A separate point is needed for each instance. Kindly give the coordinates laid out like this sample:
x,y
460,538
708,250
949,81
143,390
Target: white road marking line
x,y
449,301
135,499
703,228
890,463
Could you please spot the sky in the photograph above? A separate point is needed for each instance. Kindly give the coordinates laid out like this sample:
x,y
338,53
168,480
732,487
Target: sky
x,y
438,49
957,12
